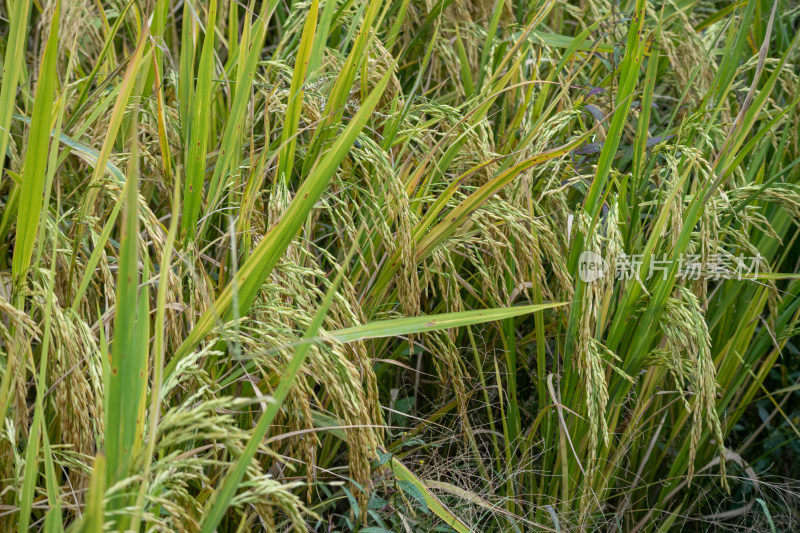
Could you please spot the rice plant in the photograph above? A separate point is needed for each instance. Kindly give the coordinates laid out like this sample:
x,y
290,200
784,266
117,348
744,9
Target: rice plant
x,y
399,265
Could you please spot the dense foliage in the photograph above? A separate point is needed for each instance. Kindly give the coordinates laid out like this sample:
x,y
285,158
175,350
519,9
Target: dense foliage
x,y
404,265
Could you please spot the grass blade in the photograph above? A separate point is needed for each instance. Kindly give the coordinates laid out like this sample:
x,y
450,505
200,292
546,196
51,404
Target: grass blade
x,y
198,132
12,68
419,324
33,173
307,42
129,351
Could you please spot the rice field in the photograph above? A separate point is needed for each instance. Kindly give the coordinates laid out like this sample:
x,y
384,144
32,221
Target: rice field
x,y
399,265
